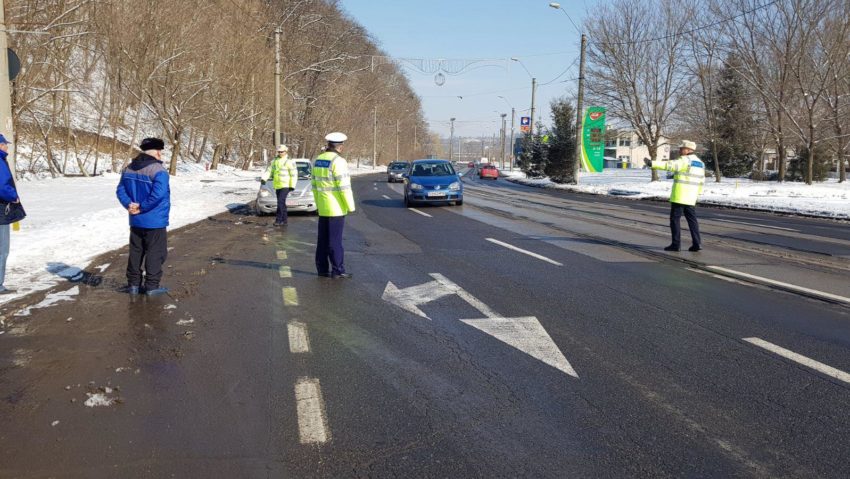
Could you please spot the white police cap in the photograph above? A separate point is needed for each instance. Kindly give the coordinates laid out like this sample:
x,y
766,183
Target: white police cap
x,y
336,137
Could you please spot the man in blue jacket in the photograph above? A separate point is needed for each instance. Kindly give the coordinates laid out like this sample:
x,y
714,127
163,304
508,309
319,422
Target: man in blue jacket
x,y
145,193
8,194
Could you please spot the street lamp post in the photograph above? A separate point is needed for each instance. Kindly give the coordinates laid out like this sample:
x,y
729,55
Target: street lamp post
x,y
511,147
533,90
503,133
580,99
452,141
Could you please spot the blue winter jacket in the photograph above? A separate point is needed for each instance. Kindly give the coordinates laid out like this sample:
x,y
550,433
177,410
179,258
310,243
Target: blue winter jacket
x,y
145,182
8,193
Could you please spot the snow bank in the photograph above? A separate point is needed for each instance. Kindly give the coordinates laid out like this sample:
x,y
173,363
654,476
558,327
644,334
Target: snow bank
x,y
829,199
72,220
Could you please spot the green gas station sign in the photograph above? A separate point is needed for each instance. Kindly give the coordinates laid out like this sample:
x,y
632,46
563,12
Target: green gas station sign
x,y
593,140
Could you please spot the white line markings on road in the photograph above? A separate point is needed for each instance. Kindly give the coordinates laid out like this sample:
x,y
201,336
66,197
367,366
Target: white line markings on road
x,y
285,272
800,359
420,212
386,197
792,287
520,250
523,333
281,255
312,425
299,342
290,296
752,224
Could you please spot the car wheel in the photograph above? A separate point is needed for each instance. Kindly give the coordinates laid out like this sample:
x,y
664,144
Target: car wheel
x,y
459,203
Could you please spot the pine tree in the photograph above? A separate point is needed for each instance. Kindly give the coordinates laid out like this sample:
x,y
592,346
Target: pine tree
x,y
735,123
562,147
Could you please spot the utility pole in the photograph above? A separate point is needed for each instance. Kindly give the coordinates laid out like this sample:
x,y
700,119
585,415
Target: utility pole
x,y
452,141
503,137
511,155
375,139
415,126
277,32
396,140
579,110
533,96
6,126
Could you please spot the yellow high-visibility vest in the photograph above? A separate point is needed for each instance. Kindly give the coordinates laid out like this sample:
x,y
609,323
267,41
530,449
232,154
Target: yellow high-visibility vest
x,y
332,185
283,171
688,178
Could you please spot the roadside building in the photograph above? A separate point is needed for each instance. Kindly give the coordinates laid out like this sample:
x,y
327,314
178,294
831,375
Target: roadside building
x,y
625,146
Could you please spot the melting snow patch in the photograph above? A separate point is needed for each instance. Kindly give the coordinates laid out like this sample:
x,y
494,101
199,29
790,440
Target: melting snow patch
x,y
170,306
50,300
98,399
184,322
54,423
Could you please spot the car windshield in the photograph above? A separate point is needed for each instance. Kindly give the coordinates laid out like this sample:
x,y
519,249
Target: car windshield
x,y
303,170
399,166
433,169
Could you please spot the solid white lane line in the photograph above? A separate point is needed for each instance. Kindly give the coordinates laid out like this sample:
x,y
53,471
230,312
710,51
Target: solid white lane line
x,y
420,212
752,224
520,250
386,197
299,342
312,422
799,358
793,287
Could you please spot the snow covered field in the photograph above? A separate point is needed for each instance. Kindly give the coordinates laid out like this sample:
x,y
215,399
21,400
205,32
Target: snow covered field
x,y
72,220
829,199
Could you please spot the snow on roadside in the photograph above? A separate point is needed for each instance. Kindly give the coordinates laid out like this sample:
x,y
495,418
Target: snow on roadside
x,y
829,199
70,221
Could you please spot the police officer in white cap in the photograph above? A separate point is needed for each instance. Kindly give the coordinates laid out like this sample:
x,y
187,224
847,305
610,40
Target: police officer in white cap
x,y
284,173
334,199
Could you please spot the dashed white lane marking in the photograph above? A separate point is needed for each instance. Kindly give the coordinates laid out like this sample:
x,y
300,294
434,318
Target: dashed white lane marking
x,y
299,342
290,296
420,212
386,197
793,287
520,250
312,422
285,272
753,224
281,254
800,359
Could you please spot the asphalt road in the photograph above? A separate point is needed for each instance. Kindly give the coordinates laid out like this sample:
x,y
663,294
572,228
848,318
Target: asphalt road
x,y
471,342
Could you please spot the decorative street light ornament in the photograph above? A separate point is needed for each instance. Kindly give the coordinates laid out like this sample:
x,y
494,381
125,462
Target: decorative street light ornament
x,y
441,67
440,79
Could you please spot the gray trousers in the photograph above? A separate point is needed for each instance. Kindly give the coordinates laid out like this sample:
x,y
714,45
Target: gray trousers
x,y
4,252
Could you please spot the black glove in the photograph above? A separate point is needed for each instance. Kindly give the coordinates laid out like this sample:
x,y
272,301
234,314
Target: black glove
x,y
291,190
262,182
647,162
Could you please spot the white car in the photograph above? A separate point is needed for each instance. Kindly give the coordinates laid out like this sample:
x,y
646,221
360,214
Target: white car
x,y
300,200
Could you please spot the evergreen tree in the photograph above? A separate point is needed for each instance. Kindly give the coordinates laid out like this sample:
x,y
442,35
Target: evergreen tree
x,y
562,146
735,123
535,155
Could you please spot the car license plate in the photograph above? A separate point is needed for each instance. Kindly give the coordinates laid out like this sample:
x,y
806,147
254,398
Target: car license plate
x,y
436,194
291,203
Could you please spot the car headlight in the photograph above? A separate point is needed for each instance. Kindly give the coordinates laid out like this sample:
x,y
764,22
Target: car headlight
x,y
454,186
264,193
415,186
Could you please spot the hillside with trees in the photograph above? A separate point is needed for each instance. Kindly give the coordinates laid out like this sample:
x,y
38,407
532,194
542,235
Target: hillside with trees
x,y
97,76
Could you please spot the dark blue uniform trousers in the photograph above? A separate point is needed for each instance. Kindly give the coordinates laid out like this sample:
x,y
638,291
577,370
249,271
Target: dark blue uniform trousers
x,y
690,212
329,245
281,205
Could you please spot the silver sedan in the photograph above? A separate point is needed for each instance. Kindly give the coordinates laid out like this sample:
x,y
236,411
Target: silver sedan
x,y
300,200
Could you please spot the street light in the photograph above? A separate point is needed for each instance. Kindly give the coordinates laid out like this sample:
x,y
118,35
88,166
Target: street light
x,y
580,99
513,117
533,89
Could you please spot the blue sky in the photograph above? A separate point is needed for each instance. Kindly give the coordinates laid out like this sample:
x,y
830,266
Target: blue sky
x,y
542,37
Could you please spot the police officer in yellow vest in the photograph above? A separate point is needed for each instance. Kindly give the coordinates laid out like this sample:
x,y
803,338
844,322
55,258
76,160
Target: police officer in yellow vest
x,y
688,180
284,173
334,199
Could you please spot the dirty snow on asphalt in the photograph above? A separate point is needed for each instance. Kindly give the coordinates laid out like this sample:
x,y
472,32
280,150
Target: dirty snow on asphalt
x,y
828,199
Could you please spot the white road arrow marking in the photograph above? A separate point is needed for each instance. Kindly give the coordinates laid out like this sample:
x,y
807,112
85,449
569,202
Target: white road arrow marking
x,y
410,298
527,335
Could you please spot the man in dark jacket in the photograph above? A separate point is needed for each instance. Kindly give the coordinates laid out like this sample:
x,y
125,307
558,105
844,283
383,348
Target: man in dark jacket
x,y
8,194
145,193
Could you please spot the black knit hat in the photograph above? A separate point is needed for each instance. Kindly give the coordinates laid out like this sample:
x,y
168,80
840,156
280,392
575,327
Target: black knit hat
x,y
152,144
